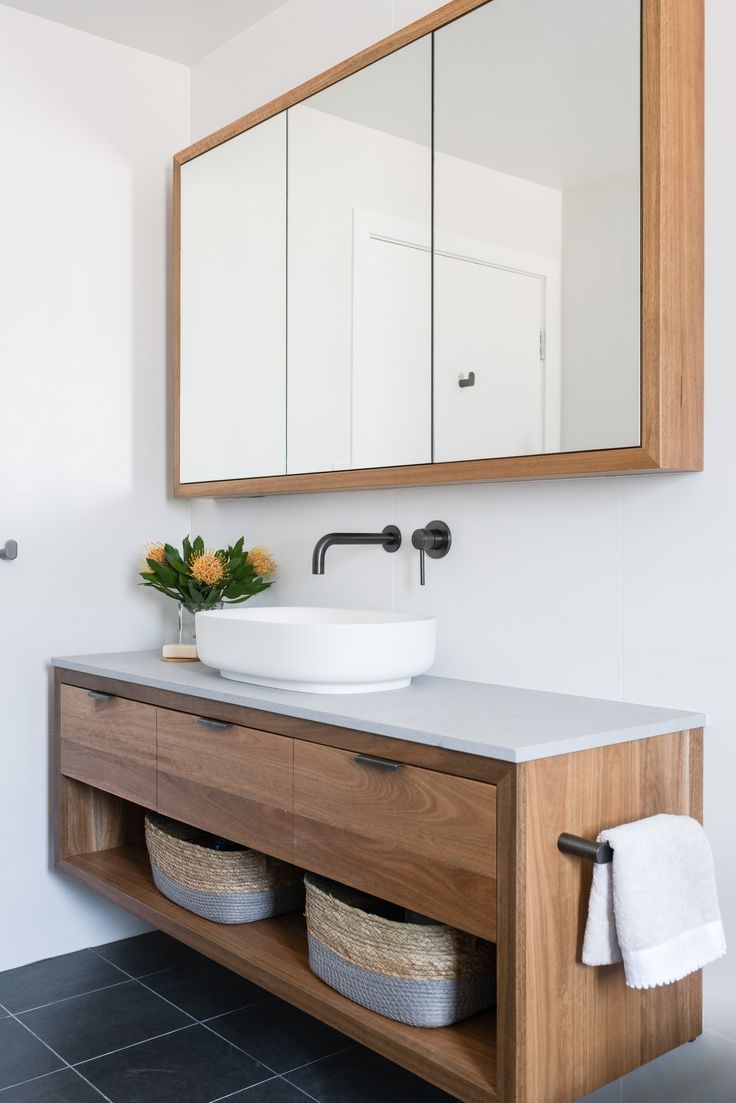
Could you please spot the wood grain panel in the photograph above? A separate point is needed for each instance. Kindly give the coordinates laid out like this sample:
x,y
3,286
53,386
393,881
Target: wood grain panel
x,y
109,743
90,819
460,1059
510,939
383,746
583,1026
237,783
672,232
419,838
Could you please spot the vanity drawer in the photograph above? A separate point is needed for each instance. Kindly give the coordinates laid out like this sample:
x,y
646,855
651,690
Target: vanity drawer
x,y
109,742
236,782
419,838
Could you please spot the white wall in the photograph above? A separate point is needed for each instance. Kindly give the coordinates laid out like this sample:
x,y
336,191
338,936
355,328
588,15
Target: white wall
x,y
621,588
88,128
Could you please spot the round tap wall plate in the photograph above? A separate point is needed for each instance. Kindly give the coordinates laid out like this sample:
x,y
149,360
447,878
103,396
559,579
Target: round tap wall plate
x,y
446,542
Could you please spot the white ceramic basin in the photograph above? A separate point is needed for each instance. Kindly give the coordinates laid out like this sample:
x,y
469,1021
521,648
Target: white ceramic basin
x,y
317,650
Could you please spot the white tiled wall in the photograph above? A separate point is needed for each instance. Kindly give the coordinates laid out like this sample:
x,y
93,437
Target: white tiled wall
x,y
88,129
620,588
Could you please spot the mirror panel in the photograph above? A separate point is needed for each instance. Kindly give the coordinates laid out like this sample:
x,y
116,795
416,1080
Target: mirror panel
x,y
536,229
425,265
232,367
359,269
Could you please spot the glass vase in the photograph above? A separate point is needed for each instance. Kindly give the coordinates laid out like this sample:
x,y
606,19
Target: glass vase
x,y
187,624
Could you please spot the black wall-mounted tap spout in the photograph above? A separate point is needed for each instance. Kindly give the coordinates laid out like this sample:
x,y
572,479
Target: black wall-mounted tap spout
x,y
389,539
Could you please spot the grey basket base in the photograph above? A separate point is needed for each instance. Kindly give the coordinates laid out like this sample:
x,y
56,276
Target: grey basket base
x,y
416,1002
230,907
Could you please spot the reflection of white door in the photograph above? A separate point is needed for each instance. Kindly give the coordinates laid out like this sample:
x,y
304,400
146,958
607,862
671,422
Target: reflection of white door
x,y
488,320
392,357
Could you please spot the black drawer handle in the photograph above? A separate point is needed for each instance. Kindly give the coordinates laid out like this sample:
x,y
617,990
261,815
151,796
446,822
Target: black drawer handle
x,y
216,725
376,763
97,696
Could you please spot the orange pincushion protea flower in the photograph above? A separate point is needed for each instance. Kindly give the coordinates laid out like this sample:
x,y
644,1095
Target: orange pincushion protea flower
x,y
261,561
207,578
154,551
207,568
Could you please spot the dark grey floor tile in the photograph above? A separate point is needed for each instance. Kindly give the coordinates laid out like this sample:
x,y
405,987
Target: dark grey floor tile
x,y
273,1091
88,1026
55,979
204,988
191,1066
146,953
22,1056
59,1087
361,1076
279,1035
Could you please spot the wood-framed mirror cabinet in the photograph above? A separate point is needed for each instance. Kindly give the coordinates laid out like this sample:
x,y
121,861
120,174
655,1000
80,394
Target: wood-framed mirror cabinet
x,y
251,288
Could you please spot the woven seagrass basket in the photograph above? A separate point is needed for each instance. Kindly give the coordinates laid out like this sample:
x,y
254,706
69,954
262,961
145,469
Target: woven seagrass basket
x,y
231,885
421,973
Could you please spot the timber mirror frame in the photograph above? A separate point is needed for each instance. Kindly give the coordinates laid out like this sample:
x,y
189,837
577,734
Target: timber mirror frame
x,y
671,272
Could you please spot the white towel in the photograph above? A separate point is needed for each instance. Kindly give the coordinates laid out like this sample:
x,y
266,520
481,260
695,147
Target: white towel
x,y
655,906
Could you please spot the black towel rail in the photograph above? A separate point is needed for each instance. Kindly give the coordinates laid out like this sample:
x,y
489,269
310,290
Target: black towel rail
x,y
601,853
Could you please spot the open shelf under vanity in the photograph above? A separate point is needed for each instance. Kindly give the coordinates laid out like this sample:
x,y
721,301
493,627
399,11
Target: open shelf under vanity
x,y
273,954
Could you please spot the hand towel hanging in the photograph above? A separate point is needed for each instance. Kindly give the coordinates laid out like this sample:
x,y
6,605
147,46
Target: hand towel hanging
x,y
655,906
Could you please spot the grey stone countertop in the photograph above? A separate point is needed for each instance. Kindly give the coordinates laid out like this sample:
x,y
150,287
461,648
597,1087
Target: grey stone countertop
x,y
515,725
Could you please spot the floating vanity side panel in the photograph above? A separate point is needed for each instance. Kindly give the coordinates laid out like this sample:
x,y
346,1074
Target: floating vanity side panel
x,y
510,922
583,1026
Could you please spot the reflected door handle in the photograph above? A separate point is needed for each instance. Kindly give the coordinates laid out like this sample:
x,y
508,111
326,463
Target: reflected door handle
x,y
9,550
467,380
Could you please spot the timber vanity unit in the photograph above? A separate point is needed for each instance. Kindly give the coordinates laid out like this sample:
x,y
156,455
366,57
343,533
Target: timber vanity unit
x,y
464,828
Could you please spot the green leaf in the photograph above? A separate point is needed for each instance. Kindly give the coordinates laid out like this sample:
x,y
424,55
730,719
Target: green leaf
x,y
195,595
176,562
168,576
197,545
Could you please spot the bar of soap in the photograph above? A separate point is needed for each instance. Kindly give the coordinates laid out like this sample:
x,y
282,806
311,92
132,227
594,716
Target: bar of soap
x,y
179,653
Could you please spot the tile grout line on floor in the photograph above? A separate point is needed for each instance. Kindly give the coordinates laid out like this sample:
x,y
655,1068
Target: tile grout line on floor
x,y
152,973
205,1023
315,1060
199,1022
271,1074
132,1045
234,1010
63,1060
65,999
238,1091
